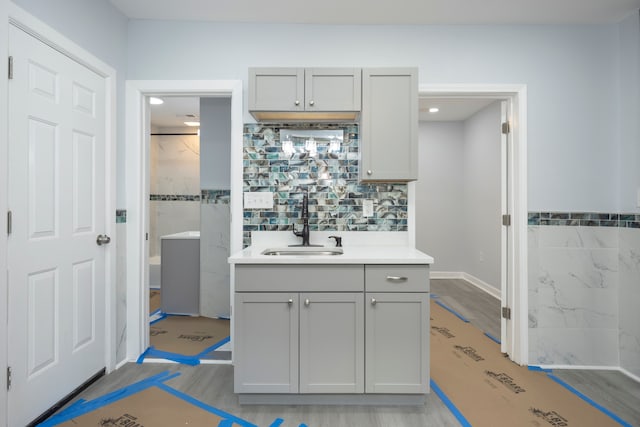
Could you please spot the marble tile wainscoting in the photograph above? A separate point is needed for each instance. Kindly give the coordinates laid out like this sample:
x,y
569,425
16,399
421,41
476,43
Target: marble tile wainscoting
x,y
330,178
584,290
215,224
121,285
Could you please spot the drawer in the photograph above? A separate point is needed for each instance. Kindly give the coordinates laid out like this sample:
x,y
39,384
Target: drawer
x,y
397,278
299,278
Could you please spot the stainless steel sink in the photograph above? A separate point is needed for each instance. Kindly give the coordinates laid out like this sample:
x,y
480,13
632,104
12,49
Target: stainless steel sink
x,y
303,250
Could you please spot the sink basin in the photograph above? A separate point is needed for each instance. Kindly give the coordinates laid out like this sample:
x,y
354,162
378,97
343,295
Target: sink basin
x,y
303,250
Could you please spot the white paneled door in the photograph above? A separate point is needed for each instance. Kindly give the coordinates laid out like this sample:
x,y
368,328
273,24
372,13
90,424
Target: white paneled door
x,y
57,198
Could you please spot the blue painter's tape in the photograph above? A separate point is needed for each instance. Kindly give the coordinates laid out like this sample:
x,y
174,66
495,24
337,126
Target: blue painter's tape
x,y
539,369
492,338
164,316
225,423
277,422
77,410
452,311
201,405
590,401
142,356
215,346
433,296
224,317
156,311
455,411
174,357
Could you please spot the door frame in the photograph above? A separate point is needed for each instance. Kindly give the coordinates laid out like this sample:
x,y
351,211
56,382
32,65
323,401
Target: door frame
x,y
10,14
137,170
515,281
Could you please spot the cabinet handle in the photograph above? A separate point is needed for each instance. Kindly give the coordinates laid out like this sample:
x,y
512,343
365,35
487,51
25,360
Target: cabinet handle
x,y
307,302
373,301
397,278
297,102
290,302
369,172
311,103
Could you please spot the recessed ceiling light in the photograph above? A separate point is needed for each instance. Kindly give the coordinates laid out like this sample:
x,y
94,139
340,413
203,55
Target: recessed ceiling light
x,y
155,101
192,123
433,109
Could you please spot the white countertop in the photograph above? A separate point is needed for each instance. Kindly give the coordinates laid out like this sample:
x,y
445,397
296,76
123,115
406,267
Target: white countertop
x,y
351,255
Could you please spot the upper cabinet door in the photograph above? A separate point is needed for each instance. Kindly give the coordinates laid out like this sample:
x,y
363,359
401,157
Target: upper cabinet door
x,y
276,89
389,124
333,89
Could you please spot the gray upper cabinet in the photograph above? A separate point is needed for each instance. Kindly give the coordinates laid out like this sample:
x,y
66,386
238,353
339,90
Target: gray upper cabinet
x,y
293,93
389,124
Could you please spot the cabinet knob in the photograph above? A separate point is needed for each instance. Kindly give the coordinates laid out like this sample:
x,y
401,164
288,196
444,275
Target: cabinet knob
x,y
312,103
297,102
290,302
307,302
369,172
373,301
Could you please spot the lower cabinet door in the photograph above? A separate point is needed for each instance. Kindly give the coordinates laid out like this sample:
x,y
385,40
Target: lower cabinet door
x,y
266,343
331,343
397,342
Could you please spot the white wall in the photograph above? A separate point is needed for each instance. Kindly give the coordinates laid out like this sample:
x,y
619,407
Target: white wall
x,y
98,27
4,94
481,209
439,194
570,72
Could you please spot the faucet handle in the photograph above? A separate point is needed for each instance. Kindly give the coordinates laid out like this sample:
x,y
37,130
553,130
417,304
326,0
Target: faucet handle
x,y
338,240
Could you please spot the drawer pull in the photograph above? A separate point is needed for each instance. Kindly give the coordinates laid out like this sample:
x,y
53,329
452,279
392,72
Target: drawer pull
x,y
307,302
373,301
290,302
397,278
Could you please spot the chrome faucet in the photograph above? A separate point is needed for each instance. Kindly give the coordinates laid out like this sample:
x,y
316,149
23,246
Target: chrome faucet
x,y
305,222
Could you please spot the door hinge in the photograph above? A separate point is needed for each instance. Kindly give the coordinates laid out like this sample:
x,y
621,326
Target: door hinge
x,y
506,128
8,377
9,222
506,220
506,313
146,236
10,67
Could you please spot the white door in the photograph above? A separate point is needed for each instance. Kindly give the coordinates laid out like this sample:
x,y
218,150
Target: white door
x,y
56,313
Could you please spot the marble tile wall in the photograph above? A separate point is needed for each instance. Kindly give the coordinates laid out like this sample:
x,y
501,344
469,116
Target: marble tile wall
x,y
331,179
573,295
214,250
584,289
629,258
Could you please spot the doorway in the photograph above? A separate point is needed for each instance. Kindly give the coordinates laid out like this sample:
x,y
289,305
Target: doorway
x,y
513,267
138,170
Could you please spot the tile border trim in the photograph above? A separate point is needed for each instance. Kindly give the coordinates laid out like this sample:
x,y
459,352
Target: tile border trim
x,y
584,219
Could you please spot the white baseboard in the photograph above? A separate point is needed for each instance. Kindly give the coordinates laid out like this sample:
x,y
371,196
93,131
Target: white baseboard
x,y
592,368
484,286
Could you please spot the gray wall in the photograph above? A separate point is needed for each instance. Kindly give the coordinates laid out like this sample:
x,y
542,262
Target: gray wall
x,y
571,74
458,195
439,194
215,143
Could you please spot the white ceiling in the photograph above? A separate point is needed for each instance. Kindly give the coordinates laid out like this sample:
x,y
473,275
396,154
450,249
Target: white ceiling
x,y
383,11
451,109
175,111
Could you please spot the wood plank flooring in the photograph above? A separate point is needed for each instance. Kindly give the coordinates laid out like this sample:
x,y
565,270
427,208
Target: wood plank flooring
x,y
213,384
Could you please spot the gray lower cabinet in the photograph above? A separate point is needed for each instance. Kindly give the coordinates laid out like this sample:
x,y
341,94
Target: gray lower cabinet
x,y
331,343
397,349
367,333
266,342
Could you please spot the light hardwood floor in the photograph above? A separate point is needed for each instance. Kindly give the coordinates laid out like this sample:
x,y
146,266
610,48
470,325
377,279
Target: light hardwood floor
x,y
213,384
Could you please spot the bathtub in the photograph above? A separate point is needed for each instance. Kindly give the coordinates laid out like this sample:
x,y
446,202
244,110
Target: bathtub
x,y
154,271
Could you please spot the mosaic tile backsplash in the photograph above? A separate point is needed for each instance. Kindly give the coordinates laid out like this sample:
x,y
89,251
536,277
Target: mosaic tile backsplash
x,y
330,178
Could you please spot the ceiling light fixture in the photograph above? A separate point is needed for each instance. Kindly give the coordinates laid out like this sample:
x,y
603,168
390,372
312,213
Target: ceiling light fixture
x,y
155,101
192,123
433,109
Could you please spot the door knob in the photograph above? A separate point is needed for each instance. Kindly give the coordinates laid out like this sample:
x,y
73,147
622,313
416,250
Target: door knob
x,y
103,239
